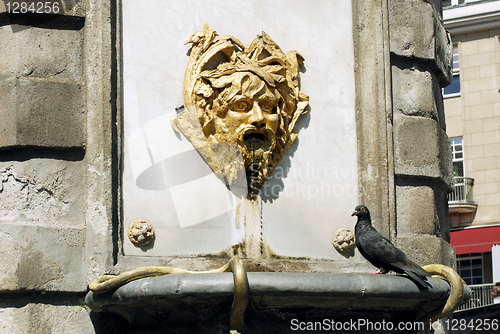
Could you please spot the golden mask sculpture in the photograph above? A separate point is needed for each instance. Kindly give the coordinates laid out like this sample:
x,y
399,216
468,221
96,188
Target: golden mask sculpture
x,y
241,105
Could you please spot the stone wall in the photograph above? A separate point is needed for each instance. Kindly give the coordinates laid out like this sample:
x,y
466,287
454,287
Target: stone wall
x,y
421,56
60,106
54,90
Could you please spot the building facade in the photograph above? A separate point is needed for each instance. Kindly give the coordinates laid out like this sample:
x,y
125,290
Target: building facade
x,y
472,107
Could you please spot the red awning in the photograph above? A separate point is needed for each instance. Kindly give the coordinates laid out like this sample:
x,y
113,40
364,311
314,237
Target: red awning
x,y
475,240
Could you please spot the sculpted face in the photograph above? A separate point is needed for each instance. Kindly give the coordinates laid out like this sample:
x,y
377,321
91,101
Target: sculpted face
x,y
240,102
252,114
248,114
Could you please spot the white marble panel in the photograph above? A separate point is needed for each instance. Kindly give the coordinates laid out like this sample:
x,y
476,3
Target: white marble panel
x,y
314,188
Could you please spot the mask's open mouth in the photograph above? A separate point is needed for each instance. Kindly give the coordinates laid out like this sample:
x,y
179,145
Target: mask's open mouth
x,y
254,138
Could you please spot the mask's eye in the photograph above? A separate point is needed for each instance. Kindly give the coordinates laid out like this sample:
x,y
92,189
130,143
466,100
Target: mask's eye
x,y
266,106
240,106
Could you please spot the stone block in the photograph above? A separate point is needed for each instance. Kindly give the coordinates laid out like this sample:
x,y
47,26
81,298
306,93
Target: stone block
x,y
491,70
469,48
484,163
416,210
474,152
8,64
411,25
453,107
427,249
421,148
49,53
492,175
472,99
491,150
493,199
416,31
42,314
8,128
41,52
480,58
416,92
41,113
42,191
474,125
490,96
42,258
469,73
483,138
422,208
480,84
485,188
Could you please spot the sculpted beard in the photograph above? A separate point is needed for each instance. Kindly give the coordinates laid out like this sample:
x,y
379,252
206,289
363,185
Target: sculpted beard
x,y
256,149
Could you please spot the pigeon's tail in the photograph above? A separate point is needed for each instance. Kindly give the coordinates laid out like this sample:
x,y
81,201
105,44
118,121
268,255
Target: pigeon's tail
x,y
417,279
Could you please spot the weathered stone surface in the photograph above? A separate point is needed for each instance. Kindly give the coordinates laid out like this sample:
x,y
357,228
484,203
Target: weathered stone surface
x,y
412,29
41,94
49,53
416,211
371,104
443,54
416,91
421,148
8,125
427,249
41,112
416,31
421,57
422,208
51,195
41,52
40,258
44,314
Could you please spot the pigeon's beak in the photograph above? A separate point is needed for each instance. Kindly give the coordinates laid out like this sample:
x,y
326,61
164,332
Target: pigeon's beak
x,y
354,213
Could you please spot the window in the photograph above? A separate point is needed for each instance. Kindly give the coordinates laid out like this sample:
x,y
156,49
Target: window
x,y
457,151
453,89
448,3
470,268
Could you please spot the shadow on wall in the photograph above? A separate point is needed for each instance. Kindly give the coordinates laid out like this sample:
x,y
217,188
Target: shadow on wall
x,y
25,154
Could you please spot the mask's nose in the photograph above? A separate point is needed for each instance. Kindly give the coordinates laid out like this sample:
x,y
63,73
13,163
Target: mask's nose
x,y
257,118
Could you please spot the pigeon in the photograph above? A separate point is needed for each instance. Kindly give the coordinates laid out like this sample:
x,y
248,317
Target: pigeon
x,y
380,252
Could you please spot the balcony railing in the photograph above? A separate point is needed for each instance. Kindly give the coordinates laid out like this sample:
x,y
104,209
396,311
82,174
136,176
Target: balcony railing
x,y
480,296
463,191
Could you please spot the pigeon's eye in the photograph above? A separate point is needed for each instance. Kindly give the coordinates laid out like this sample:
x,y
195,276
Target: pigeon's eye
x,y
362,209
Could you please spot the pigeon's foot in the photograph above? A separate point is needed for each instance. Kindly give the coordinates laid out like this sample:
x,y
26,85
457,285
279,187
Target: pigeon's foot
x,y
375,272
